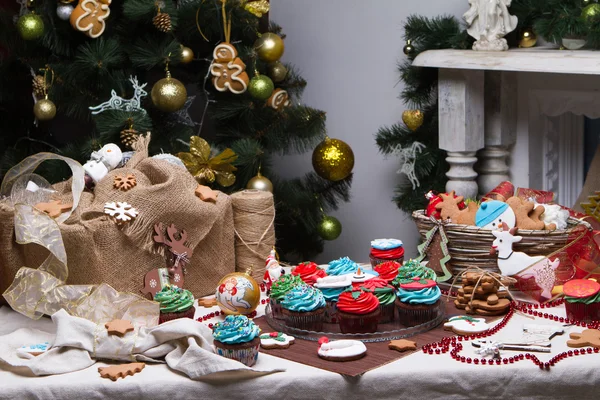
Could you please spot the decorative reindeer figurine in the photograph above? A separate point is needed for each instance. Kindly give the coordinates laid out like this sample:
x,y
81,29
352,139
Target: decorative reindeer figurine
x,y
519,264
179,255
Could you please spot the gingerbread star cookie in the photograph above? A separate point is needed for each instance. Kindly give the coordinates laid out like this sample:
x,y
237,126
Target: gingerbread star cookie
x,y
120,371
206,194
589,337
402,345
118,327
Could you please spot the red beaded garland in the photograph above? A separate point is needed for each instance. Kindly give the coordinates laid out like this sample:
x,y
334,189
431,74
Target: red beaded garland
x,y
443,346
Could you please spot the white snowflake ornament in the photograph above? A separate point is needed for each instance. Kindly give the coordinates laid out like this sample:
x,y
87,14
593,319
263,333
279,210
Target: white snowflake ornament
x,y
120,211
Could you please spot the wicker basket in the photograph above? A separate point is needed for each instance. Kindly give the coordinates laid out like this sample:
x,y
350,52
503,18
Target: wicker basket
x,y
469,246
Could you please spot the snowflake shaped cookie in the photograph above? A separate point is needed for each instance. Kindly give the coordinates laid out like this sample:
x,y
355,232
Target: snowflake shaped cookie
x,y
120,211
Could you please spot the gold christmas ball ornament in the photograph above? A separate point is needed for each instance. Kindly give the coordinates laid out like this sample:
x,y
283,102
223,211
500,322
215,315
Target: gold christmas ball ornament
x,y
261,183
44,110
269,47
591,12
187,55
408,48
413,119
330,228
168,94
30,26
277,71
238,293
527,38
333,159
261,87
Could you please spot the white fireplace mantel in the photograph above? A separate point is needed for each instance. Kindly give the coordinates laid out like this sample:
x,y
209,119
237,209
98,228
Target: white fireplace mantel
x,y
478,100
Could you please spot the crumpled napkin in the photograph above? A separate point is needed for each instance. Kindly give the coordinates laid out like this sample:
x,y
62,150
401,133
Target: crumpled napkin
x,y
184,344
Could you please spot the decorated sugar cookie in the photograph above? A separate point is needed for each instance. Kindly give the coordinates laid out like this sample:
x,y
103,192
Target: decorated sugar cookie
x,y
228,70
492,214
465,325
341,350
89,15
279,99
276,340
33,350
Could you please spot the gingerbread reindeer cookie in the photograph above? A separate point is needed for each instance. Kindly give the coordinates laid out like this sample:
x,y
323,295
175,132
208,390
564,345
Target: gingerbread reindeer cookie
x,y
527,216
449,209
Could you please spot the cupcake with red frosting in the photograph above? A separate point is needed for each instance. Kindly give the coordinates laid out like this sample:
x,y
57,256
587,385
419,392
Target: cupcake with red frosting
x,y
386,295
582,300
309,272
383,250
358,311
418,301
388,270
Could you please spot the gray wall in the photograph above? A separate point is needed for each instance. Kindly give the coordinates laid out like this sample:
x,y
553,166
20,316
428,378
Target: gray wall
x,y
348,52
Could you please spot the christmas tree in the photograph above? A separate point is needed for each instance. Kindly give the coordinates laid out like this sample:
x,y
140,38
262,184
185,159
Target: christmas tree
x,y
158,59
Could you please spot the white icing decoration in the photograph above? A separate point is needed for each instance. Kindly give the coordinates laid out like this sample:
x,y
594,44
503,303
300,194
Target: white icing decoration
x,y
386,244
224,52
342,349
461,324
331,282
407,158
272,342
118,103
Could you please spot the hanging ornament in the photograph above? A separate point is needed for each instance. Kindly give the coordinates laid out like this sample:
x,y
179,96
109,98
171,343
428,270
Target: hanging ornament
x,y
261,87
44,109
64,9
168,94
30,26
277,71
279,99
39,86
187,55
227,69
333,159
238,293
162,21
257,7
527,38
260,182
591,12
269,47
413,119
330,228
207,169
119,103
129,135
408,48
89,15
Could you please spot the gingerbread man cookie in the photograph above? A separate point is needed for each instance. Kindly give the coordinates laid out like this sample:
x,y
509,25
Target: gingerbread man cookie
x,y
228,70
54,208
279,99
120,371
89,15
589,337
526,215
276,340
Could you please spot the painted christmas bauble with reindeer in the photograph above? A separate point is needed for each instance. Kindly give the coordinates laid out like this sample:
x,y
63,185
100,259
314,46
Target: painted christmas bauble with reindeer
x,y
238,293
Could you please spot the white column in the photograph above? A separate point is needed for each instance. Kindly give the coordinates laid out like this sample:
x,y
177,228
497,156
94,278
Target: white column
x,y
461,126
500,129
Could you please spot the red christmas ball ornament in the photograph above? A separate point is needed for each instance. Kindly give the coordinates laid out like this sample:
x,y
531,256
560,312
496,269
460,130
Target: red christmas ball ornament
x,y
433,199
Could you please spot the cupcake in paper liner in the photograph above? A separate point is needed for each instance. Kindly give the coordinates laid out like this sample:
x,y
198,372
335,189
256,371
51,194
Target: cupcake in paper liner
x,y
332,287
417,301
386,295
582,300
383,250
175,303
309,272
278,291
358,311
304,307
237,338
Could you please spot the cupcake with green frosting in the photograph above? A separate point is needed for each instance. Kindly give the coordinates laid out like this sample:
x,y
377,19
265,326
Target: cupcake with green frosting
x,y
237,338
175,303
413,269
386,295
279,289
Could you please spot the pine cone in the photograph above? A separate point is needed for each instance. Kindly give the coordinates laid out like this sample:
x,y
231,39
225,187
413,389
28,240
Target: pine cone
x,y
162,22
129,136
39,86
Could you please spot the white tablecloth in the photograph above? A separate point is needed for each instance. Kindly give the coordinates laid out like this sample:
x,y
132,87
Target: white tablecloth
x,y
417,376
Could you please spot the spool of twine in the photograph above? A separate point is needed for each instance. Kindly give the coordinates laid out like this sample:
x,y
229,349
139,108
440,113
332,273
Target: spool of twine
x,y
253,219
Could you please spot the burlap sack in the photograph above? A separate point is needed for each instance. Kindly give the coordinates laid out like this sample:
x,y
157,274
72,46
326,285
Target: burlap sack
x,y
99,251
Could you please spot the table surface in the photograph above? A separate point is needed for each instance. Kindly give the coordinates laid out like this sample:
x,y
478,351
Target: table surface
x,y
418,375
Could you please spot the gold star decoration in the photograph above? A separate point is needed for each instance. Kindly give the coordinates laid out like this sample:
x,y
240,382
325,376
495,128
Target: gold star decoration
x,y
593,206
207,169
206,194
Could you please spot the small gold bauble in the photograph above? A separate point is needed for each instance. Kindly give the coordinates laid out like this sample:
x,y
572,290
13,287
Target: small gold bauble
x,y
591,12
528,38
408,48
277,71
187,55
168,94
238,293
260,182
330,228
413,119
30,26
333,159
269,47
44,110
261,87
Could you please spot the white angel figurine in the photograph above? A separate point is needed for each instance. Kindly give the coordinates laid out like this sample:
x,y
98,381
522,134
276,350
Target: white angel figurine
x,y
488,22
